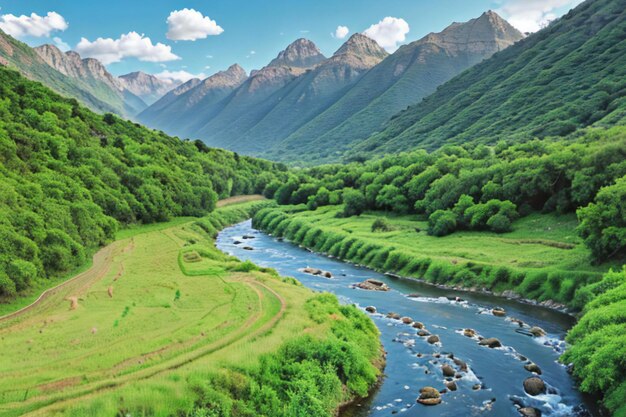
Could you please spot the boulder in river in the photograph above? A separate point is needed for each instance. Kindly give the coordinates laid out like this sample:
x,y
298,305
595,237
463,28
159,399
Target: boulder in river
x,y
469,332
394,316
451,385
491,342
418,325
248,248
447,370
370,309
433,339
373,285
327,274
537,331
529,412
461,364
423,333
498,312
534,386
406,320
429,396
247,237
237,242
533,367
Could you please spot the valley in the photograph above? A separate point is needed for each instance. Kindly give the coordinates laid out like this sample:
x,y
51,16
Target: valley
x,y
414,209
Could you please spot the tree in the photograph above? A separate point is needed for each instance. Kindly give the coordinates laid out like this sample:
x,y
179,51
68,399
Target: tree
x,y
354,201
603,223
441,223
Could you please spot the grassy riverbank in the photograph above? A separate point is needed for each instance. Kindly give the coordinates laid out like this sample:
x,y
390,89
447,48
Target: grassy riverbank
x,y
542,258
164,324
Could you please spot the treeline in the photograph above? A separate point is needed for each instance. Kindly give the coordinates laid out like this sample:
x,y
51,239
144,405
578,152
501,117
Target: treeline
x,y
480,187
69,178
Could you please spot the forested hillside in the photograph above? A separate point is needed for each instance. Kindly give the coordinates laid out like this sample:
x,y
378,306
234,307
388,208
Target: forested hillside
x,y
69,178
569,75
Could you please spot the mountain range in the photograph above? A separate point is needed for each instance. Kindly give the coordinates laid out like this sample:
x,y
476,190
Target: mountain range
x,y
303,101
84,79
552,83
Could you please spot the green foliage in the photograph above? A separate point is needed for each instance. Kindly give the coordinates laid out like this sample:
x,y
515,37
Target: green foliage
x,y
599,343
603,223
354,202
381,224
570,75
441,223
308,376
70,178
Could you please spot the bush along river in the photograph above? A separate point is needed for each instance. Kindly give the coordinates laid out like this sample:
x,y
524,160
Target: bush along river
x,y
478,354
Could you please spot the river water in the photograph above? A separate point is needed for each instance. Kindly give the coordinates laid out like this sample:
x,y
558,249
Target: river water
x,y
413,363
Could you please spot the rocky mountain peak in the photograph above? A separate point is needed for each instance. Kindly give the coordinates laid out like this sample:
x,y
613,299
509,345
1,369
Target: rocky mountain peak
x,y
361,45
302,54
488,33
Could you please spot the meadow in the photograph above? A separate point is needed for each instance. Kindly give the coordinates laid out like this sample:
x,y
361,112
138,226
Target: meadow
x,y
163,324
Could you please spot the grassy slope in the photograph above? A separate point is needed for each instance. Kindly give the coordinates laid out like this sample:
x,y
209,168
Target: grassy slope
x,y
538,244
168,320
567,76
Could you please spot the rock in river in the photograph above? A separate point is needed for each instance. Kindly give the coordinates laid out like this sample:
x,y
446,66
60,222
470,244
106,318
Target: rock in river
x,y
533,367
370,309
373,285
248,248
429,396
498,312
469,332
433,339
451,385
447,370
418,325
529,412
491,342
537,331
534,386
406,320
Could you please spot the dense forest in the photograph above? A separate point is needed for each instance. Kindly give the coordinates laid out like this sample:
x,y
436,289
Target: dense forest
x,y
70,178
570,75
484,188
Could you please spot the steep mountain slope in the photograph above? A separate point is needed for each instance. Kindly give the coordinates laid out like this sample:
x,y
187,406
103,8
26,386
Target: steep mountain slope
x,y
92,76
17,55
146,86
569,75
312,93
406,77
182,109
258,95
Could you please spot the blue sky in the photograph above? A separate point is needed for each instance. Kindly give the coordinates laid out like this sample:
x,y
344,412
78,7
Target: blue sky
x,y
248,32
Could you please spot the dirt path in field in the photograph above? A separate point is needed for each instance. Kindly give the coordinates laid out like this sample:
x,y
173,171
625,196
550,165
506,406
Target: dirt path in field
x,y
239,199
101,264
102,261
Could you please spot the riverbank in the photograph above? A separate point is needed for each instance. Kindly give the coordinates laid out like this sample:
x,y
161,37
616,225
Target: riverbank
x,y
190,352
541,261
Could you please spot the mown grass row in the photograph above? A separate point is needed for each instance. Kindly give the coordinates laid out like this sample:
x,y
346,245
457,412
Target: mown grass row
x,y
539,284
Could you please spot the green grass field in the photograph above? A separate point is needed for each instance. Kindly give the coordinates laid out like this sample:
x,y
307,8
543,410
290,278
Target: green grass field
x,y
157,307
541,258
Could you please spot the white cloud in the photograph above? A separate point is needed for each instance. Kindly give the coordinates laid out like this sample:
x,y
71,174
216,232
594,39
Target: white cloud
x,y
130,45
63,46
341,32
389,32
189,25
178,76
532,15
33,25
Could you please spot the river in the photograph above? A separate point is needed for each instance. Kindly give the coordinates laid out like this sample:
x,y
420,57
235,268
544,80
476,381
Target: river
x,y
493,384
